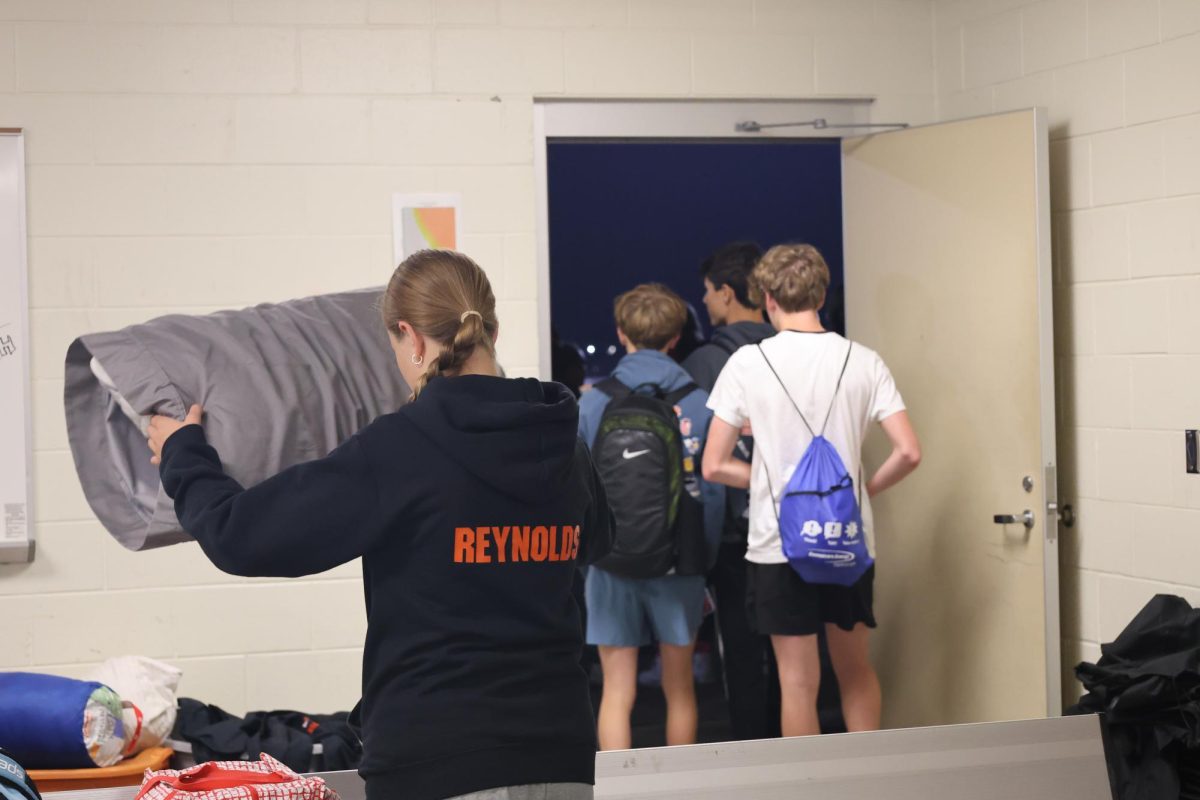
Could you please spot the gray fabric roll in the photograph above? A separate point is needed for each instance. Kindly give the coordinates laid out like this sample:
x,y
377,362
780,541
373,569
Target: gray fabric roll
x,y
280,384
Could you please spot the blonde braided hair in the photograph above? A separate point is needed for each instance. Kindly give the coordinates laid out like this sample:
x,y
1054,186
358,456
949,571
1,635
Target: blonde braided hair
x,y
446,297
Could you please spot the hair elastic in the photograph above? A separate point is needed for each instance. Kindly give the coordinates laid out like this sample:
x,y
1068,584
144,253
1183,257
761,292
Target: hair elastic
x,y
466,314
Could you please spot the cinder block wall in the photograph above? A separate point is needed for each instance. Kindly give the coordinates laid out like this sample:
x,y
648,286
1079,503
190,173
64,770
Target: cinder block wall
x,y
1122,81
188,155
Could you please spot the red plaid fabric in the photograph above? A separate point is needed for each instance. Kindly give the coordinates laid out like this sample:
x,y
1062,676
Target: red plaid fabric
x,y
233,780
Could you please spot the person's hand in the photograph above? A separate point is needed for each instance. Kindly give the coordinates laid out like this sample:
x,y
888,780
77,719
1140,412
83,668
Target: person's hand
x,y
161,428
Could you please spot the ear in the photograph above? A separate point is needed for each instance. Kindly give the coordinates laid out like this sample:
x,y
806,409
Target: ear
x,y
727,294
671,344
622,338
496,335
769,303
418,341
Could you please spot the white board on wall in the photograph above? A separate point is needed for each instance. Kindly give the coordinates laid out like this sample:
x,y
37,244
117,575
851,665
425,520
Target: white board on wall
x,y
16,430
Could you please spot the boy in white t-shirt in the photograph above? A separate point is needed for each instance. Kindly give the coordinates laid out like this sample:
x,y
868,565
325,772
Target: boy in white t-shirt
x,y
759,385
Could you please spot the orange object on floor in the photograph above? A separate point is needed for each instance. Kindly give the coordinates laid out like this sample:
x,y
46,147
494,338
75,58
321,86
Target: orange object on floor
x,y
127,773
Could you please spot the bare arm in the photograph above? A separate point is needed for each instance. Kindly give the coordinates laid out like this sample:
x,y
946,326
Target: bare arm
x,y
905,457
719,464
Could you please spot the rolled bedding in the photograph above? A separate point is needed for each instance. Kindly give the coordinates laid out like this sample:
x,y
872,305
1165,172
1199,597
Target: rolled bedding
x,y
280,384
49,722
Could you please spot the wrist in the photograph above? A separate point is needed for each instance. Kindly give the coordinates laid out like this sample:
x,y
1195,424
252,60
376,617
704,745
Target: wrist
x,y
181,437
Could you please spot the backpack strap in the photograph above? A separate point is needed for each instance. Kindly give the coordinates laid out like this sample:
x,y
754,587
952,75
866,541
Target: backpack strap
x,y
618,390
724,344
613,388
785,391
674,397
771,492
832,400
837,388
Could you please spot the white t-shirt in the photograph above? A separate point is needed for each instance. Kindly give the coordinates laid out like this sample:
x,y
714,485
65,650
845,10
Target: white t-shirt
x,y
808,364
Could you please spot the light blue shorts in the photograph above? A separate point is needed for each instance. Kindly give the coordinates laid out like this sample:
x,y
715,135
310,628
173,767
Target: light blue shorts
x,y
624,612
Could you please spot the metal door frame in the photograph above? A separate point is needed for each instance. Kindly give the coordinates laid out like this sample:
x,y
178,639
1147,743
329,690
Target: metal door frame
x,y
1051,503
684,118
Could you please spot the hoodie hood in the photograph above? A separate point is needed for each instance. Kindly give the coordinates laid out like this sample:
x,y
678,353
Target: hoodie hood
x,y
516,435
743,333
651,366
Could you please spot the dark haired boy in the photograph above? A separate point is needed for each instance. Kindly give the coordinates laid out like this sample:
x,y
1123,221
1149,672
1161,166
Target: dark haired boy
x,y
749,665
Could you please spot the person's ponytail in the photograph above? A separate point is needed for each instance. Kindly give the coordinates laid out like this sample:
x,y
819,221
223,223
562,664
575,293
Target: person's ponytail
x,y
471,334
446,297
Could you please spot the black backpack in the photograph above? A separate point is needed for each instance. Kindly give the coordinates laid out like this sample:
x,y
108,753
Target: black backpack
x,y
654,495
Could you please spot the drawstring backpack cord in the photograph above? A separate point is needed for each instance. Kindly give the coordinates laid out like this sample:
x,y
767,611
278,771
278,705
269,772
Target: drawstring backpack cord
x,y
828,414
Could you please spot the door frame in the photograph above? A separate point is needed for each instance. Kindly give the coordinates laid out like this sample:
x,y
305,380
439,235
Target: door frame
x,y
557,118
1051,507
684,118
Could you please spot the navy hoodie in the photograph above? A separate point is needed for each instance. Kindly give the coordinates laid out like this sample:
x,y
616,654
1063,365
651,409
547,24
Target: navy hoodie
x,y
470,507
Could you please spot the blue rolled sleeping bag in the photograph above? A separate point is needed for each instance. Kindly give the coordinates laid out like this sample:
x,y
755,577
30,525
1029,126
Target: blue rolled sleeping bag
x,y
48,722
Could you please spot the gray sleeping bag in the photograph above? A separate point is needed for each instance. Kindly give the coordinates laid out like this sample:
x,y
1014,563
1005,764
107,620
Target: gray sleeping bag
x,y
280,384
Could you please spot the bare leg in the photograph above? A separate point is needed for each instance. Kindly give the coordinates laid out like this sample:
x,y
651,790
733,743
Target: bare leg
x,y
862,698
680,689
799,679
619,665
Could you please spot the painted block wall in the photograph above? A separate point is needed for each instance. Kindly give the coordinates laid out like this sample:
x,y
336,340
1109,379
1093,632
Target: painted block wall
x,y
1119,78
190,155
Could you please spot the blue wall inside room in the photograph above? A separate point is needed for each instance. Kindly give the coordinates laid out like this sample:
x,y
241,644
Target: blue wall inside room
x,y
626,212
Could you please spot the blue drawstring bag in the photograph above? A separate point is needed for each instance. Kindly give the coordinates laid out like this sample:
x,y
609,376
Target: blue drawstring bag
x,y
820,519
48,722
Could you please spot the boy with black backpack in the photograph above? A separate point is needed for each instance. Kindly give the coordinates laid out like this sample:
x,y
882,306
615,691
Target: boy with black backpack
x,y
646,426
810,396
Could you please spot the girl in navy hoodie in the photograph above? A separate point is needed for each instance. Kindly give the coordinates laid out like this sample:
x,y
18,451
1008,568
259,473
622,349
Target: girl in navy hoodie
x,y
470,508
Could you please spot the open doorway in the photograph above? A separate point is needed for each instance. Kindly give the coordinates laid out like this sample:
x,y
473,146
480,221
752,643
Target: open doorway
x,y
946,253
629,211
625,210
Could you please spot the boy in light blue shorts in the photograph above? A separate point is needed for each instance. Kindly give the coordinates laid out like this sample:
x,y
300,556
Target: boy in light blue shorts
x,y
626,612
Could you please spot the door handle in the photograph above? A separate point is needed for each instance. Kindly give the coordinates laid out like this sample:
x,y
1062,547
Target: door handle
x,y
1025,518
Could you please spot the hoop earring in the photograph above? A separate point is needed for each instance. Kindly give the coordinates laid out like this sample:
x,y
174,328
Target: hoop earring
x,y
417,360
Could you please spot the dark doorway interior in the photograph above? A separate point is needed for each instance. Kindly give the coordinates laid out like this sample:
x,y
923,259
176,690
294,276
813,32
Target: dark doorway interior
x,y
624,212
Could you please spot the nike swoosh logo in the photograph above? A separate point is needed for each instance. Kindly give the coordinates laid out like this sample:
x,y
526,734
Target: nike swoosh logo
x,y
628,454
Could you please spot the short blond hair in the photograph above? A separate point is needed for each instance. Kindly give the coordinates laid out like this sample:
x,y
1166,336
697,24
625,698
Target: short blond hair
x,y
795,275
650,315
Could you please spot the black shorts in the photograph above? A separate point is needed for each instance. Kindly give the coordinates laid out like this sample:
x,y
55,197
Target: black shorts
x,y
781,603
